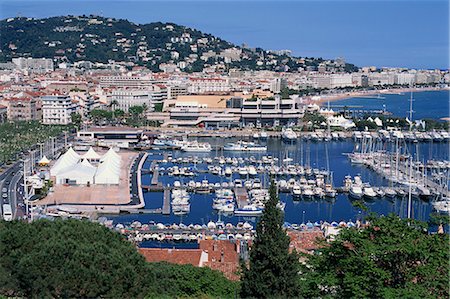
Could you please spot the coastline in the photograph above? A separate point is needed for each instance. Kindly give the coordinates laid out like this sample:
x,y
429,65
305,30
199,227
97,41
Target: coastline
x,y
367,93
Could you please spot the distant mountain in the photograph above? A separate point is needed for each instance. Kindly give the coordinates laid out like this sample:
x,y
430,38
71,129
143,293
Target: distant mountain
x,y
155,45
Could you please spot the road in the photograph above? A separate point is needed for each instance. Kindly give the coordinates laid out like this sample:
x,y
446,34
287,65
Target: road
x,y
12,180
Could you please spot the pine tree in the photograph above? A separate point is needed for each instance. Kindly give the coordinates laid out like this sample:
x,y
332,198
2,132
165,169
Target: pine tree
x,y
272,271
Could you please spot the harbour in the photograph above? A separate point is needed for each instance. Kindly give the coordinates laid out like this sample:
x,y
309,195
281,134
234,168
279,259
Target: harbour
x,y
195,168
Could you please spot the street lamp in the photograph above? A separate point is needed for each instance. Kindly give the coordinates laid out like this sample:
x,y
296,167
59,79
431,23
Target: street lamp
x,y
303,217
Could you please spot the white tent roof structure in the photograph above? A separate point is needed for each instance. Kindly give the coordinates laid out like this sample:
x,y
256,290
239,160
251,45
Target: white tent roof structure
x,y
107,173
71,152
91,155
86,163
110,153
80,172
44,160
70,158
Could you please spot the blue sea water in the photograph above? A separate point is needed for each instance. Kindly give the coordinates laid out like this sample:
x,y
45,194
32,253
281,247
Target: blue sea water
x,y
426,104
296,211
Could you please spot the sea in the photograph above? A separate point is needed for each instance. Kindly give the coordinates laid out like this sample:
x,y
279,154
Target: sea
x,y
428,104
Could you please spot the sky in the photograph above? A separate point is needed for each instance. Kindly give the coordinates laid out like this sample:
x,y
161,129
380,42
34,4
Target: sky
x,y
396,33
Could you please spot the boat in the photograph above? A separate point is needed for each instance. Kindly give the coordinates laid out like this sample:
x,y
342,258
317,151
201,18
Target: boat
x,y
356,192
390,192
197,147
228,171
243,171
288,135
369,193
263,135
242,146
296,192
442,205
330,191
252,170
248,210
204,187
307,193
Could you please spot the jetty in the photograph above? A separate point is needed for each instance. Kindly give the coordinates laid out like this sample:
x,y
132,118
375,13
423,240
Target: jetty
x,y
166,202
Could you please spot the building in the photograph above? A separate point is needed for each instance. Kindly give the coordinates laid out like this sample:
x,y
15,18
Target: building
x,y
405,78
112,136
35,65
173,91
220,255
208,85
125,82
271,111
278,84
127,98
57,109
23,108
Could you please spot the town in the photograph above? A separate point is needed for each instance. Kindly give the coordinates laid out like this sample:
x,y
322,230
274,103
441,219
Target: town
x,y
196,151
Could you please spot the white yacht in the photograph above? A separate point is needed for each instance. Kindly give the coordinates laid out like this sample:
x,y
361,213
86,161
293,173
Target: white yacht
x,y
308,192
296,191
288,135
197,147
252,171
369,192
356,192
249,210
242,146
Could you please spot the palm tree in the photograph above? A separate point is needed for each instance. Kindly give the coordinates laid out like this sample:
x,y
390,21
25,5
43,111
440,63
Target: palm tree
x,y
113,104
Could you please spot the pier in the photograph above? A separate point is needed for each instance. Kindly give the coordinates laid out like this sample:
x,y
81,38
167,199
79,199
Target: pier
x,y
166,202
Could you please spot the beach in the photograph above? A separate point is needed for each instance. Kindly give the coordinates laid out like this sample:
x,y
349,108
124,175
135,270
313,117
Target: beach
x,y
366,93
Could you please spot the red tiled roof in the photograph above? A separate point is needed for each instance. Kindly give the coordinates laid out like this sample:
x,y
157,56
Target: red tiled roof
x,y
175,256
222,256
305,241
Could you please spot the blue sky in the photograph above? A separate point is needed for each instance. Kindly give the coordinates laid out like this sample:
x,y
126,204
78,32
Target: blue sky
x,y
382,33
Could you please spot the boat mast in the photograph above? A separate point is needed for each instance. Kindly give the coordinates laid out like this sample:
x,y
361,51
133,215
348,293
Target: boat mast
x,y
410,187
411,110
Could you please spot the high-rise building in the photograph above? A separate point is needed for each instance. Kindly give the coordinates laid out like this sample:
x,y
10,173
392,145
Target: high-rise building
x,y
57,109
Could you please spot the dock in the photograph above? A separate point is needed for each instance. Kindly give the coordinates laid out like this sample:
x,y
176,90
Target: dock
x,y
241,196
166,202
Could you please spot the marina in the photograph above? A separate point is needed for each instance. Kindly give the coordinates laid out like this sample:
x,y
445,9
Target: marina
x,y
311,187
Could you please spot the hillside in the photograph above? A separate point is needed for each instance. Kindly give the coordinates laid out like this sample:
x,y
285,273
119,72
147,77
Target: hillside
x,y
98,39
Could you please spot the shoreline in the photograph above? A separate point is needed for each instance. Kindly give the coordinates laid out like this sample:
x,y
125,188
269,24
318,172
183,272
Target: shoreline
x,y
367,93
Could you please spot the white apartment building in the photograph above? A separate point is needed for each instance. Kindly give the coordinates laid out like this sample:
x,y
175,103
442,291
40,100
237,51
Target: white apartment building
x,y
208,85
127,98
405,78
57,109
333,81
38,65
125,81
341,80
381,79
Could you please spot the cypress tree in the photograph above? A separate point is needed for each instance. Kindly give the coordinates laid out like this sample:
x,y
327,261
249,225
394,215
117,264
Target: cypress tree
x,y
272,271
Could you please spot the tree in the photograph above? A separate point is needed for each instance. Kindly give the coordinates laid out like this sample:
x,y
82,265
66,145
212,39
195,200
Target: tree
x,y
272,271
181,281
392,258
113,106
76,119
69,259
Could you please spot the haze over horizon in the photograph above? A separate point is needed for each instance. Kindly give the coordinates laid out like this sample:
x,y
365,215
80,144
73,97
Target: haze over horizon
x,y
413,34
